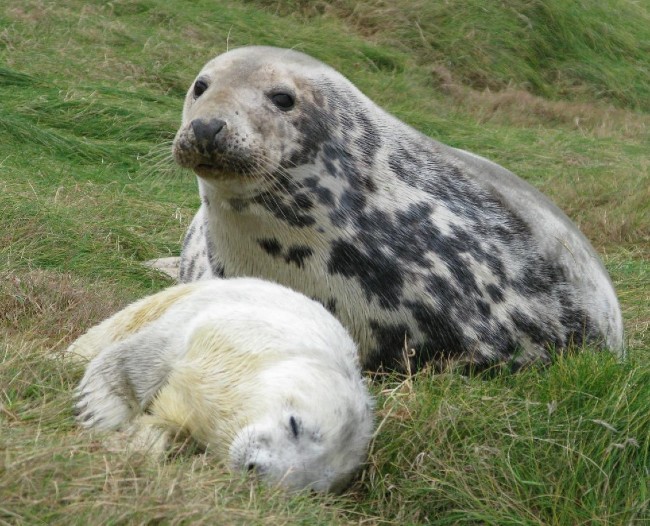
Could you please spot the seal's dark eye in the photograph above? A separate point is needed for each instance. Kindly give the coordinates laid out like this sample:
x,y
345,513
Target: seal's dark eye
x,y
295,429
199,87
284,101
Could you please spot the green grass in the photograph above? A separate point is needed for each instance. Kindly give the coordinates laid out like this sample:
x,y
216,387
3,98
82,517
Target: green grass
x,y
91,94
552,47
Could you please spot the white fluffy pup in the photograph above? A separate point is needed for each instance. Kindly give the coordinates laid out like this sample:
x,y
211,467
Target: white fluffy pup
x,y
262,375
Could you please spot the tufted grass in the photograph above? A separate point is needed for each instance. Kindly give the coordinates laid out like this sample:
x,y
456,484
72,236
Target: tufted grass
x,y
557,49
90,99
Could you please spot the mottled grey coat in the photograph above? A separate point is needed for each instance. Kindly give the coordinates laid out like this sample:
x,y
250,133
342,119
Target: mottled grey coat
x,y
306,182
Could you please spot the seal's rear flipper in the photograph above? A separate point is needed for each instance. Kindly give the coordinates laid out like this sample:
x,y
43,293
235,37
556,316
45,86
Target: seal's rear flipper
x,y
99,401
121,381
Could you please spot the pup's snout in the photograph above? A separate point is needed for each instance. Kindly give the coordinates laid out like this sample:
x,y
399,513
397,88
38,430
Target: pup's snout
x,y
206,131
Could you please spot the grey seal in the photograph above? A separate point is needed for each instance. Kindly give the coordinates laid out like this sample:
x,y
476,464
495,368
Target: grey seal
x,y
264,377
409,242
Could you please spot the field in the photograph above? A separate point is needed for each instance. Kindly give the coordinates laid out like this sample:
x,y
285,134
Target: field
x,y
90,99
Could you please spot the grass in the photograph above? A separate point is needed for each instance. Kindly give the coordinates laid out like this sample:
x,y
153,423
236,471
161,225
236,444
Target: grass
x,y
553,48
91,96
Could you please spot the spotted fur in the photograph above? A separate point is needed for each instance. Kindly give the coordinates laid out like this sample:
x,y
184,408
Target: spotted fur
x,y
262,376
403,238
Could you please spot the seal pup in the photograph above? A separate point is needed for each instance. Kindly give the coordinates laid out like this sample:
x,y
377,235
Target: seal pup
x,y
306,182
263,376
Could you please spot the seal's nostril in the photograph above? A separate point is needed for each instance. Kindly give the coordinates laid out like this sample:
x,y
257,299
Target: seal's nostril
x,y
206,131
251,466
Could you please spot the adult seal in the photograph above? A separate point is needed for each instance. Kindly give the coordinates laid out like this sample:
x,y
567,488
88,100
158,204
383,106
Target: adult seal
x,y
306,182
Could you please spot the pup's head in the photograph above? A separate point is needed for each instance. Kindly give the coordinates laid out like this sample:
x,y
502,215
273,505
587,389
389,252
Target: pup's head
x,y
316,437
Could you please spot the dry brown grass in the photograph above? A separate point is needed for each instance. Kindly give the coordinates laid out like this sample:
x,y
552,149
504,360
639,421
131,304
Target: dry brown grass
x,y
52,307
518,107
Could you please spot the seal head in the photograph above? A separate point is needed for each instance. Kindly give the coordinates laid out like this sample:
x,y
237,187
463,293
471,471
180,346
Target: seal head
x,y
247,124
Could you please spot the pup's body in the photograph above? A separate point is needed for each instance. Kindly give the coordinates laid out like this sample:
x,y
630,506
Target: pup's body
x,y
262,375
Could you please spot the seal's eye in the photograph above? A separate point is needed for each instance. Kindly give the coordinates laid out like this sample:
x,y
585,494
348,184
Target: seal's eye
x,y
199,87
295,429
284,101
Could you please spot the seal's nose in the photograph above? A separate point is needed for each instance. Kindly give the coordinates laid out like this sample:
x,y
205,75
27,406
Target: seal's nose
x,y
206,132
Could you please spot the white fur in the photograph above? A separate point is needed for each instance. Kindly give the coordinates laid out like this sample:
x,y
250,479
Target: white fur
x,y
264,376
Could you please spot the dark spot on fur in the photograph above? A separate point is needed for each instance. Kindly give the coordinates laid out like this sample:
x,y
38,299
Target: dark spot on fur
x,y
352,171
311,182
330,305
483,307
186,273
499,337
238,205
270,246
303,202
297,255
443,335
496,294
540,278
578,324
330,168
405,165
284,184
389,353
216,267
376,272
350,206
274,203
314,125
532,328
323,195
369,140
218,270
497,266
443,289
330,151
369,184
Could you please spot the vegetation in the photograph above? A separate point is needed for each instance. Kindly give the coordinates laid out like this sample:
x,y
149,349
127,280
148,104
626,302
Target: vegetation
x,y
557,91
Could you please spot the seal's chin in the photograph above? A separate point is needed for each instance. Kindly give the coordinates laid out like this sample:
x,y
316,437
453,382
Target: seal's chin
x,y
211,171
